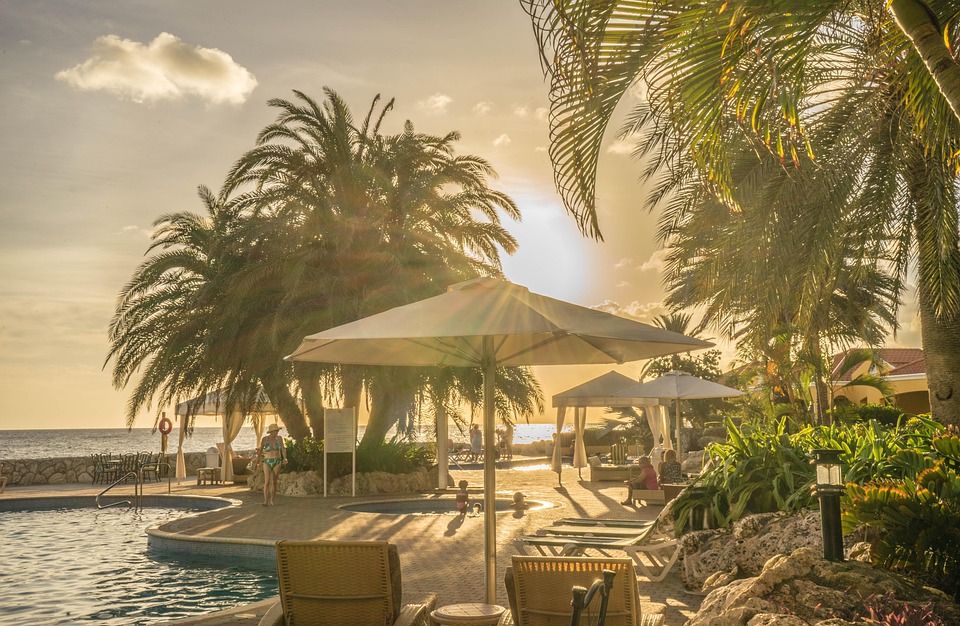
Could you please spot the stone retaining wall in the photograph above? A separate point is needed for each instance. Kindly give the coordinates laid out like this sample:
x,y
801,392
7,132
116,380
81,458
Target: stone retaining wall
x,y
58,471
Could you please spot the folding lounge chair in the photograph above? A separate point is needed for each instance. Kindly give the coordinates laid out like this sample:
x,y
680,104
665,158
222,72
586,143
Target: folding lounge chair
x,y
602,521
539,588
653,553
342,582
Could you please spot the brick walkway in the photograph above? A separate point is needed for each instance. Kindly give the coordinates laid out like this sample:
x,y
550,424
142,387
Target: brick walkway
x,y
439,553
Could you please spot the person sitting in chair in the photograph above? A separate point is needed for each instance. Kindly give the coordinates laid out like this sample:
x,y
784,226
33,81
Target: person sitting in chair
x,y
670,472
646,480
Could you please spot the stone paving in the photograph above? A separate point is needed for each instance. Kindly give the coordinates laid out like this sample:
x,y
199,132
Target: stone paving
x,y
442,554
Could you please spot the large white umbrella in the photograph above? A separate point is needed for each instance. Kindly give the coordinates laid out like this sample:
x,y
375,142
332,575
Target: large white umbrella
x,y
488,323
678,386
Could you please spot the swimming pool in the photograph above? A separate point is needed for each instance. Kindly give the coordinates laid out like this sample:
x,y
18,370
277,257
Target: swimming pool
x,y
69,565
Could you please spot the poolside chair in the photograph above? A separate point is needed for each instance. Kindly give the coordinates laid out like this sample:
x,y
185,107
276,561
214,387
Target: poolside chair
x,y
652,552
599,471
342,582
538,589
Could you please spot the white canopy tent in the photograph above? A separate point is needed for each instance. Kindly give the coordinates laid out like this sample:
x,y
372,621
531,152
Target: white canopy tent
x,y
214,404
602,391
678,386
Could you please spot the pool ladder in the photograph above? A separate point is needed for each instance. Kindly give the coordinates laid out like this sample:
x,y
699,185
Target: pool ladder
x,y
137,491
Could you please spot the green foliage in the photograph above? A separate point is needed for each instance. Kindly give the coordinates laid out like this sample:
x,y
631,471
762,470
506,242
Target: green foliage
x,y
394,457
916,519
766,466
881,413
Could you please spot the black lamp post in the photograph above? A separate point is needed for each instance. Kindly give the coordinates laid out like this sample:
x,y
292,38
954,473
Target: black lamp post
x,y
828,489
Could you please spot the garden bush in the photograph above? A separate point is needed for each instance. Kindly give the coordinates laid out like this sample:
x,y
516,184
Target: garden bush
x,y
394,457
915,520
766,466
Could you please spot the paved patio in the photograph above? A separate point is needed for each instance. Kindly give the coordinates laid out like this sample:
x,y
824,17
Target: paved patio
x,y
439,553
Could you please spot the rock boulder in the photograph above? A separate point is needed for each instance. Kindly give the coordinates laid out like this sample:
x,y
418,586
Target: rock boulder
x,y
802,589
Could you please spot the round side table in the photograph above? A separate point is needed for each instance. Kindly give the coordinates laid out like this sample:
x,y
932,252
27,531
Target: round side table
x,y
473,613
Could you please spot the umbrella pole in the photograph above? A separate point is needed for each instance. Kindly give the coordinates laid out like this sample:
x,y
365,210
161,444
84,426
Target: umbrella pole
x,y
489,473
679,445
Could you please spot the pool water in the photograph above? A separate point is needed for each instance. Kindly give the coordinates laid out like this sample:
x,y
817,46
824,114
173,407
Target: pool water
x,y
67,566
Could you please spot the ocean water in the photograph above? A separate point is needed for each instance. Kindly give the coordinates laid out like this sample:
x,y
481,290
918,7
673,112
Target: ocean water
x,y
43,444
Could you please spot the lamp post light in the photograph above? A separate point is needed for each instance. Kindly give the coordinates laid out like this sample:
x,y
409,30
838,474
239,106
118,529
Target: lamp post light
x,y
828,489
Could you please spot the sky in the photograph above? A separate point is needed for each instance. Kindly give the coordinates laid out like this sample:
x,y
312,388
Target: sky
x,y
113,113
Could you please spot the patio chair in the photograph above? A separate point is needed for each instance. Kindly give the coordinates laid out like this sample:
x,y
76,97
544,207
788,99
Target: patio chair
x,y
652,552
342,582
150,466
538,589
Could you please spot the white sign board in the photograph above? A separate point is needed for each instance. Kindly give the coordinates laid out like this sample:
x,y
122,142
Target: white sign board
x,y
340,435
339,430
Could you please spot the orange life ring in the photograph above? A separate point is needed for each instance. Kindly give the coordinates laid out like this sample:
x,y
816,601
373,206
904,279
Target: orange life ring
x,y
165,425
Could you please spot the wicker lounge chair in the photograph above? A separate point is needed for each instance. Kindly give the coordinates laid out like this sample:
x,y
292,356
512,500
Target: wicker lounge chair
x,y
342,582
653,553
599,471
539,591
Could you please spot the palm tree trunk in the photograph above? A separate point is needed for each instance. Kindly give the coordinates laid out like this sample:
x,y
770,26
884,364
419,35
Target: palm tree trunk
x,y
308,377
941,351
286,405
390,398
919,24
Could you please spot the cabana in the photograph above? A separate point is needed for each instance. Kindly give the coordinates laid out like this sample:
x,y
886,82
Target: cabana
x,y
602,391
214,404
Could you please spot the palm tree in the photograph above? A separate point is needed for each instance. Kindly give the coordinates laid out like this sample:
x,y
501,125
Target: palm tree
x,y
834,88
177,324
364,222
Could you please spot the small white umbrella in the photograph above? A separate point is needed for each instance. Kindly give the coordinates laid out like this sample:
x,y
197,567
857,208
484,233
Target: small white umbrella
x,y
678,386
488,323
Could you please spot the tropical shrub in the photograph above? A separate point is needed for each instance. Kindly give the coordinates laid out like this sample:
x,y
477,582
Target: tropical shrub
x,y
766,466
916,520
394,457
881,413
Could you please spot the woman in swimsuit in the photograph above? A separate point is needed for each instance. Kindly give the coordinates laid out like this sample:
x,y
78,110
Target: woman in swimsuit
x,y
273,453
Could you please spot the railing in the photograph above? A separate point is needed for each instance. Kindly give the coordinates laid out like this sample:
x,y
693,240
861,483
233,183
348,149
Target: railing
x,y
137,491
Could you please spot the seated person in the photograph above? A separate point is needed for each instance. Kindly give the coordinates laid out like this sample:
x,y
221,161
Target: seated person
x,y
646,480
670,472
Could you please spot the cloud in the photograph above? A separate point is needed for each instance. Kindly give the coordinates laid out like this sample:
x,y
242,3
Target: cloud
x,y
657,262
482,108
436,104
521,111
540,149
623,283
623,146
136,230
622,263
165,69
541,113
502,140
644,312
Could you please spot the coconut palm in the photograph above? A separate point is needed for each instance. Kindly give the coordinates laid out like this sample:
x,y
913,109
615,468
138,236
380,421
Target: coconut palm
x,y
835,88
